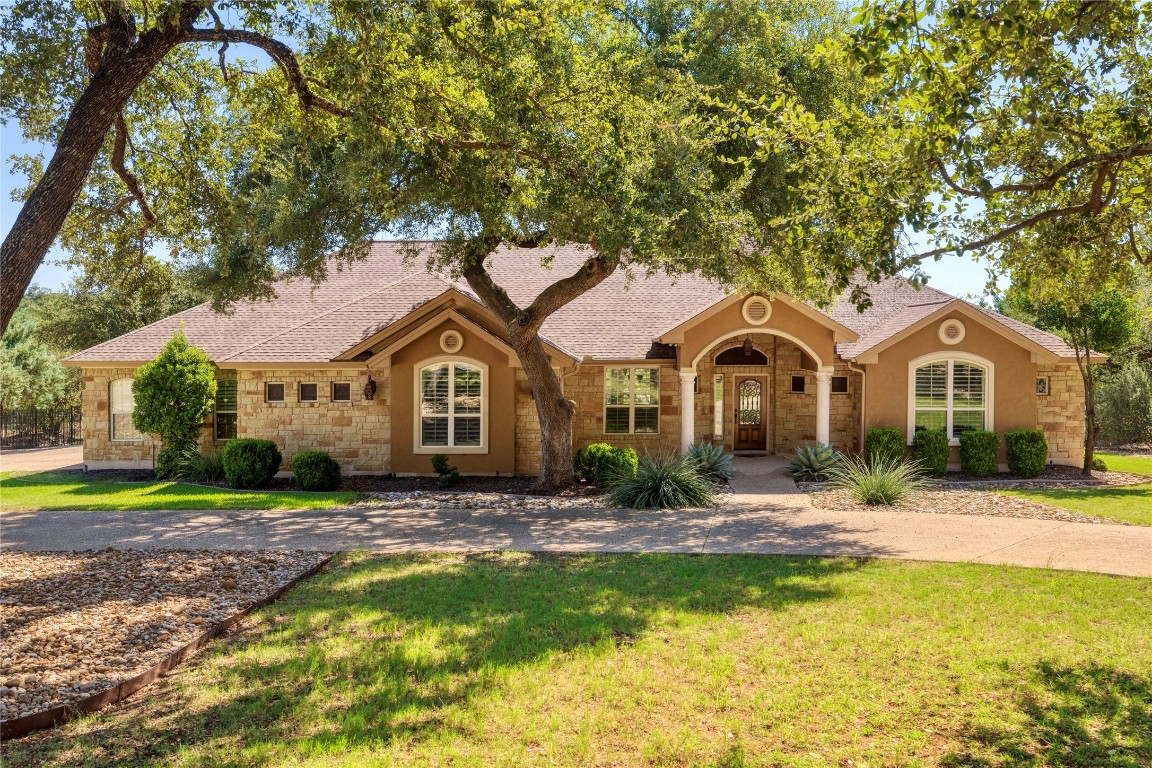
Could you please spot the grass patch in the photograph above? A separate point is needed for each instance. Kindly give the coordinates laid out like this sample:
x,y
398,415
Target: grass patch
x,y
654,660
46,491
1119,462
1131,503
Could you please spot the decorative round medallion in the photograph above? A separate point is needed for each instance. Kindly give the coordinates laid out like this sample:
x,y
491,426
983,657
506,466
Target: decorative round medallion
x,y
756,310
951,331
451,341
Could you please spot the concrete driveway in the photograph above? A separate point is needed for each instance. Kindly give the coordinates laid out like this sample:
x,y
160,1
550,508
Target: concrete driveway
x,y
766,516
42,459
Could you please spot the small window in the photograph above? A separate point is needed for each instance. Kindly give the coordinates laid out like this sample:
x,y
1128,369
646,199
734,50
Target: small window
x,y
308,393
632,400
341,392
122,402
226,407
839,385
273,393
798,384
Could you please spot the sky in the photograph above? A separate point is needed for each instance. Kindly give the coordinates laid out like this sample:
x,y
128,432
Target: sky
x,y
961,276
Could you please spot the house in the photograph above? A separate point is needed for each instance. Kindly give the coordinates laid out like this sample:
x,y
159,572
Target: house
x,y
384,365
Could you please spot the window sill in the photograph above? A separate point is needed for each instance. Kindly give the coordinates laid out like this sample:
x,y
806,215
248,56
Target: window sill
x,y
450,451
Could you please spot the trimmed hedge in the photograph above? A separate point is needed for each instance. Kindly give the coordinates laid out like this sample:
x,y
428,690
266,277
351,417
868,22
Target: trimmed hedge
x,y
316,471
1027,451
605,464
979,452
250,463
884,444
930,451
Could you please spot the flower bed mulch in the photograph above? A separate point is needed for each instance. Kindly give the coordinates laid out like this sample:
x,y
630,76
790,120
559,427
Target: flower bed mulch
x,y
961,501
76,624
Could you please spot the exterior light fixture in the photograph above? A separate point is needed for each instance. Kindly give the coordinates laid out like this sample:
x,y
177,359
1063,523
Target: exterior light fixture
x,y
370,388
747,346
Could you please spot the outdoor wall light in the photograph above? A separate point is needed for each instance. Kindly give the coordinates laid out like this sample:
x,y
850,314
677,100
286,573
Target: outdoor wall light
x,y
370,388
747,346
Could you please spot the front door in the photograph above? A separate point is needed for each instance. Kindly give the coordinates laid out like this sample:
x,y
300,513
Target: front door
x,y
751,434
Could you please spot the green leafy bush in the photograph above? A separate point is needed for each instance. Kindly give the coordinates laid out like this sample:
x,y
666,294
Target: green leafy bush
x,y
173,394
1124,405
250,463
711,461
979,452
663,482
1098,464
604,464
449,475
930,450
316,471
1027,451
884,444
813,463
883,481
198,466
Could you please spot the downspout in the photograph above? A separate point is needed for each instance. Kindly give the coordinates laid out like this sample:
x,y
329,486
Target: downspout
x,y
863,399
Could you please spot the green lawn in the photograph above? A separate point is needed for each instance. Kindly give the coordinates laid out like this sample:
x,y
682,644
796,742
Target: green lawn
x,y
43,490
654,660
1130,503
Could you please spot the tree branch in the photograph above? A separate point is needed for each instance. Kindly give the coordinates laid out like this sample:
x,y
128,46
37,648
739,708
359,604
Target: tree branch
x,y
119,147
1103,159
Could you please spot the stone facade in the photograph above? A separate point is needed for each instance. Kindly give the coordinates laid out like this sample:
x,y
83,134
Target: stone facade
x,y
586,388
100,450
527,429
1060,413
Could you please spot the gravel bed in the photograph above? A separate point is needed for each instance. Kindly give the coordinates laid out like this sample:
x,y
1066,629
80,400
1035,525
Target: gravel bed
x,y
475,500
77,623
961,501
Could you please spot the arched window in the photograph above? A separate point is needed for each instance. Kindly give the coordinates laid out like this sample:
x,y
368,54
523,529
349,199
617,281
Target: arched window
x,y
737,356
951,394
451,407
121,404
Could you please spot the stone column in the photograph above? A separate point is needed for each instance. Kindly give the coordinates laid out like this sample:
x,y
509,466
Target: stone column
x,y
823,405
687,408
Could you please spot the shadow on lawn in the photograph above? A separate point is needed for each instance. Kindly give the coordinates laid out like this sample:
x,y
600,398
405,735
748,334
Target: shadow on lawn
x,y
385,648
1086,716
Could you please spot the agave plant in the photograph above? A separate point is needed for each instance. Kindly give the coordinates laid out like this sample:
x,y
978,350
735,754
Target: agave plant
x,y
814,463
711,461
884,481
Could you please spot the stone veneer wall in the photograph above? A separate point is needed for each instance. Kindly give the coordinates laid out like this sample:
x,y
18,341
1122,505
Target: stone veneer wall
x,y
1060,413
100,450
586,388
528,454
357,433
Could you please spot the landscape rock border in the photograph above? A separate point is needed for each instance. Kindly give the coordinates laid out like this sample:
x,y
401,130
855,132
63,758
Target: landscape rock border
x,y
38,721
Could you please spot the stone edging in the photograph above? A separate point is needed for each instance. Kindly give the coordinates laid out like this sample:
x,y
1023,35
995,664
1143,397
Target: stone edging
x,y
37,721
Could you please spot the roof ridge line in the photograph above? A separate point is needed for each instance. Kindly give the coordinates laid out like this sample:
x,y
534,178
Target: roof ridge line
x,y
314,318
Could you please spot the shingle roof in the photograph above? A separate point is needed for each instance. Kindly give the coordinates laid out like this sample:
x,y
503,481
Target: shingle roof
x,y
618,319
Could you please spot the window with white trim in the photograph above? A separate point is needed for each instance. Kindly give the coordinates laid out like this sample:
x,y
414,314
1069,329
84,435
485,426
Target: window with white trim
x,y
632,400
451,406
122,402
226,407
951,395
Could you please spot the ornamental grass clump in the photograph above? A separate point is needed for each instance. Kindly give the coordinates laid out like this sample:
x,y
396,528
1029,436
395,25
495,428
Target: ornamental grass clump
x,y
882,481
813,463
711,461
196,466
663,482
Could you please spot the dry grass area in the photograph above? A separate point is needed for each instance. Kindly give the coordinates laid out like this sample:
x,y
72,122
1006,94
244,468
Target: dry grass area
x,y
522,660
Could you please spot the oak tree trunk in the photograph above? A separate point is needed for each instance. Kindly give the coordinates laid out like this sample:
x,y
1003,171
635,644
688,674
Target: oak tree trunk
x,y
554,411
124,64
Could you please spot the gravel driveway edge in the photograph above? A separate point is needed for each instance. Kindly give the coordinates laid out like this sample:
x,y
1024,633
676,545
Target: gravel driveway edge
x,y
37,721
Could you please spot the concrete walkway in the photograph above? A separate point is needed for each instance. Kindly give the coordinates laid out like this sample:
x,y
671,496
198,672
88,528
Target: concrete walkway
x,y
767,515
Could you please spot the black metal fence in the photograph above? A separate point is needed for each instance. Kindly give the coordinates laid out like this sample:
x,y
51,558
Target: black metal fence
x,y
39,428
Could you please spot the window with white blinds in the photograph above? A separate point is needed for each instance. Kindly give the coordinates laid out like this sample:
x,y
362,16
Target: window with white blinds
x,y
632,400
950,395
121,405
451,406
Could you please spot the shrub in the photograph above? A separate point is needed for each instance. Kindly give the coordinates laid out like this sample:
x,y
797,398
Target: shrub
x,y
604,464
1027,451
979,452
883,481
1098,464
813,463
198,466
884,444
663,482
449,475
1124,406
930,450
316,471
711,461
250,463
173,394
